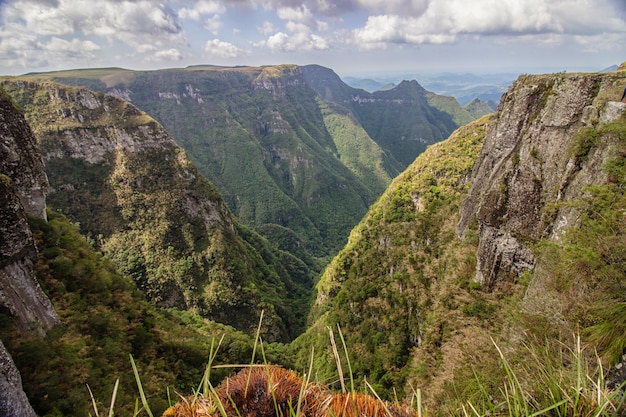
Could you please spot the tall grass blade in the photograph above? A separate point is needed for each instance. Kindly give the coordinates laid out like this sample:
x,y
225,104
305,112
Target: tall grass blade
x,y
379,399
113,397
345,350
337,359
142,394
207,371
93,402
256,340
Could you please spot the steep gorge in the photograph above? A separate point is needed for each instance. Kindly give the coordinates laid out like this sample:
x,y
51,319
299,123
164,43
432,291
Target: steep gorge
x,y
512,230
279,141
476,242
117,172
23,188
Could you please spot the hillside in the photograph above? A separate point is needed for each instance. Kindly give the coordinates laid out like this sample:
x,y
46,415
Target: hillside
x,y
497,257
115,171
403,120
68,318
281,153
485,237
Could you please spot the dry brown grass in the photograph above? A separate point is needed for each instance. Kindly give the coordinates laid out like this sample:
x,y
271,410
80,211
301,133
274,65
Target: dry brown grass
x,y
272,391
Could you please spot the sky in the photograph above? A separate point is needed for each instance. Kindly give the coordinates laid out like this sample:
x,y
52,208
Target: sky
x,y
350,36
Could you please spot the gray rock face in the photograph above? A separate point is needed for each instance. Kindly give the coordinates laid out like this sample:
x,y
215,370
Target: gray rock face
x,y
23,187
529,161
20,159
20,293
13,401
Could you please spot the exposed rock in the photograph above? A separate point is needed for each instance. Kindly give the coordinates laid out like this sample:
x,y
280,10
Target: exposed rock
x,y
20,159
116,171
22,192
13,401
23,186
528,161
20,293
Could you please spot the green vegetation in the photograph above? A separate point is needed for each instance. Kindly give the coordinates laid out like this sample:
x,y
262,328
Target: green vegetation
x,y
265,149
144,204
450,106
357,151
592,256
381,286
104,319
403,291
271,145
478,108
406,119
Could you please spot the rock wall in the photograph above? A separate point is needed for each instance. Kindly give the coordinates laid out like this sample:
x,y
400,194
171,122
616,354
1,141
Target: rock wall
x,y
13,401
530,161
23,186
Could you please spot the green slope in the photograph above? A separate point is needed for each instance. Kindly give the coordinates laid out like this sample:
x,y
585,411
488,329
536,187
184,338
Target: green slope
x,y
406,294
104,320
380,286
116,172
262,136
402,120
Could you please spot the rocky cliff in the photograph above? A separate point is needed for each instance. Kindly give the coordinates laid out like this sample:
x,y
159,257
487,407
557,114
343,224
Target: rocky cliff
x,y
539,154
120,175
511,230
294,151
23,186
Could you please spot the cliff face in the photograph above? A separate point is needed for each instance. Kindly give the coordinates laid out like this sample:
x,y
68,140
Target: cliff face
x,y
293,150
538,155
118,173
453,255
20,159
23,186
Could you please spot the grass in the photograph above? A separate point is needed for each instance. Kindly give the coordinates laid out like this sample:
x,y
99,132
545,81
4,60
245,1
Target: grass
x,y
546,386
561,384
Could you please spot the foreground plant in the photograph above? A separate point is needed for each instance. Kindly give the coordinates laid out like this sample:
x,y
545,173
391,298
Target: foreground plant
x,y
550,388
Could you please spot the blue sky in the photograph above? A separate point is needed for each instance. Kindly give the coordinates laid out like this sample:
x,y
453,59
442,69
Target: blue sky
x,y
352,36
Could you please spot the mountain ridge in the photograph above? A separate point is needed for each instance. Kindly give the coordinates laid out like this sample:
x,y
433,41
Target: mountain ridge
x,y
507,236
117,172
443,267
272,118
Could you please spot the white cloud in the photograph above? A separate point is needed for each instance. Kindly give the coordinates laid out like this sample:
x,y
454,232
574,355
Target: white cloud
x,y
39,32
445,21
74,48
172,54
266,28
213,24
300,14
406,7
222,49
40,19
300,40
201,8
20,48
131,22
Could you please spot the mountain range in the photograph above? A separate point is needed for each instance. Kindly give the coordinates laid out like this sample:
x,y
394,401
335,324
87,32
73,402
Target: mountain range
x,y
295,152
506,236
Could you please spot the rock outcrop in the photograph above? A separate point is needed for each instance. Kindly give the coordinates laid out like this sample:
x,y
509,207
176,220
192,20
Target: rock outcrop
x,y
23,186
13,400
535,155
